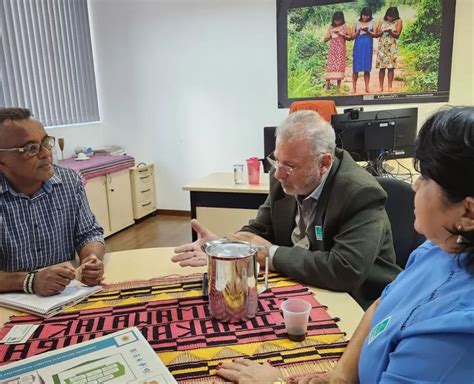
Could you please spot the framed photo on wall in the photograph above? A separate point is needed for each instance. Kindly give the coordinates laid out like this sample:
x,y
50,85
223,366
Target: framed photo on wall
x,y
364,51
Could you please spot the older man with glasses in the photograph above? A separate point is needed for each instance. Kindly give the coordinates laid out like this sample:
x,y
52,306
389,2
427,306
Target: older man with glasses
x,y
324,221
44,214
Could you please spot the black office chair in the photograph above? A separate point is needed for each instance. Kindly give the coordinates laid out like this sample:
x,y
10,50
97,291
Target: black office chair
x,y
399,209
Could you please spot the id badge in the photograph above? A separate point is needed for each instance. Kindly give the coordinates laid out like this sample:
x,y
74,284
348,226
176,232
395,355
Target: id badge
x,y
318,231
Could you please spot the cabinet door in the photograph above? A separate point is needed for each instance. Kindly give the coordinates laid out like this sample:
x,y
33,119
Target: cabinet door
x,y
119,200
97,196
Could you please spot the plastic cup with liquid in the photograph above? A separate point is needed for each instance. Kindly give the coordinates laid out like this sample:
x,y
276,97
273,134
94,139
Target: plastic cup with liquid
x,y
296,315
238,173
253,167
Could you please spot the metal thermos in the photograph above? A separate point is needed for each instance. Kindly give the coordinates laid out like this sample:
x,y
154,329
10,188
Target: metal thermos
x,y
232,279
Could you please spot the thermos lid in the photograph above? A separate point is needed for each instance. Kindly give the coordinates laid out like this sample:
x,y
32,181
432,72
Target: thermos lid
x,y
229,249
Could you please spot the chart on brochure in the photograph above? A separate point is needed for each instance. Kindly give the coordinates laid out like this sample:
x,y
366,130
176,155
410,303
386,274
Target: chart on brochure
x,y
121,357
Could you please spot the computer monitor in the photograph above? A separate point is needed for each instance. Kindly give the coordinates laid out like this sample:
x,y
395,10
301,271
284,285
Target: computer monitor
x,y
268,146
368,135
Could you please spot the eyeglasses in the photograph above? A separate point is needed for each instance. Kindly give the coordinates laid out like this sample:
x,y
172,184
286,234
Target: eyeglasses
x,y
288,169
34,148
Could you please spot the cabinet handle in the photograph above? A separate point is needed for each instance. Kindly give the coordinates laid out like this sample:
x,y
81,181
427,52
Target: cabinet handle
x,y
144,177
143,170
144,205
146,190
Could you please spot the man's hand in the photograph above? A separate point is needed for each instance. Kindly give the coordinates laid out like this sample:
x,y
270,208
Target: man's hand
x,y
191,254
262,253
245,371
91,270
52,280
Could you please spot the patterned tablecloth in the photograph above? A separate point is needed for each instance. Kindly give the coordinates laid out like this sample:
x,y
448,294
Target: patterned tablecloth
x,y
173,316
98,165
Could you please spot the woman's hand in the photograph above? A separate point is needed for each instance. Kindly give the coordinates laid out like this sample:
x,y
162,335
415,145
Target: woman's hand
x,y
245,371
331,377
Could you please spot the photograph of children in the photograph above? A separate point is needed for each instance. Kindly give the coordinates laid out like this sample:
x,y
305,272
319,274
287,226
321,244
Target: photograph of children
x,y
393,45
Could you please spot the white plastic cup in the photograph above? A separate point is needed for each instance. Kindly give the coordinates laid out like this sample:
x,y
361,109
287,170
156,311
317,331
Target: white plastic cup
x,y
238,173
296,315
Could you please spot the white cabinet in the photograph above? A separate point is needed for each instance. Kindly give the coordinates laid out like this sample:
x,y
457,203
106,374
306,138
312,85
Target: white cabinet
x,y
110,199
143,189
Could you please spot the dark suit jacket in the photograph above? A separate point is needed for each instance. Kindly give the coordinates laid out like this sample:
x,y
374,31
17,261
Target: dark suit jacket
x,y
356,252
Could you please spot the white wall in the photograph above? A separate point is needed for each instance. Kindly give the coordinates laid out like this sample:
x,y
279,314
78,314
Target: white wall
x,y
189,84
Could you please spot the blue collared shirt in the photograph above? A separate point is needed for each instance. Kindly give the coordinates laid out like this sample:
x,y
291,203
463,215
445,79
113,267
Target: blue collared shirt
x,y
306,211
48,227
423,329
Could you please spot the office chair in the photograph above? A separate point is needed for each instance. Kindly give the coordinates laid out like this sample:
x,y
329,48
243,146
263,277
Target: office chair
x,y
326,108
399,209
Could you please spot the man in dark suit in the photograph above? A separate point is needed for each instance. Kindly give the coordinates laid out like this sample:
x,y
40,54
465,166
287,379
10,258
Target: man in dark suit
x,y
324,221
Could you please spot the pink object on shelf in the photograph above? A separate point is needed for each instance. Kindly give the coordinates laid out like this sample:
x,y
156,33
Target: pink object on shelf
x,y
253,167
98,165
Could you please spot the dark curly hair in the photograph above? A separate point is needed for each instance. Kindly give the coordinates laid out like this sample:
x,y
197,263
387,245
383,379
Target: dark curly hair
x,y
444,152
14,114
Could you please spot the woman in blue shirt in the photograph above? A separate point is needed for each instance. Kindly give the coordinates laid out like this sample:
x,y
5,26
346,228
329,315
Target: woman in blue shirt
x,y
421,330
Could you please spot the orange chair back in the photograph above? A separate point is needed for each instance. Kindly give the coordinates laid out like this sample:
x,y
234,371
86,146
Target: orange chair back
x,y
326,108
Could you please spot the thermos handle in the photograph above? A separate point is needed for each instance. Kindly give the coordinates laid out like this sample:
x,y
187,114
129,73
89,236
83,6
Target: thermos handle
x,y
265,284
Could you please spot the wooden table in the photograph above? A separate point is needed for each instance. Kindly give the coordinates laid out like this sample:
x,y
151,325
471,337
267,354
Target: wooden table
x,y
153,262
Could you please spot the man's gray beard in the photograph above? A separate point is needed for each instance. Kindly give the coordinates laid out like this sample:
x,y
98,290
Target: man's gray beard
x,y
310,180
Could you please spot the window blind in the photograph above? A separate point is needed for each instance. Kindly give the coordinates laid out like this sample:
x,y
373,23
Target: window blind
x,y
46,60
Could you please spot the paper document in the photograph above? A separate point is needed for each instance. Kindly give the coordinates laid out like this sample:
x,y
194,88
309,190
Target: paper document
x,y
19,334
121,357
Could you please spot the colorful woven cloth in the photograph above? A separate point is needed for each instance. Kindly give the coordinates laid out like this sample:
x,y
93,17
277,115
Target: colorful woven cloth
x,y
174,318
99,165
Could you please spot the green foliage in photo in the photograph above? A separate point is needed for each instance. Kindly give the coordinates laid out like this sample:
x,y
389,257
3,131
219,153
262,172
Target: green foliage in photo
x,y
307,51
420,46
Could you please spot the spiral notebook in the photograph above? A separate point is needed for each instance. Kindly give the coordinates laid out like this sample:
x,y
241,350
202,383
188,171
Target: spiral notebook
x,y
48,306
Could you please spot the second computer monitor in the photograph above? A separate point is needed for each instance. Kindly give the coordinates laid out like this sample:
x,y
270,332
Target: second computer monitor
x,y
390,132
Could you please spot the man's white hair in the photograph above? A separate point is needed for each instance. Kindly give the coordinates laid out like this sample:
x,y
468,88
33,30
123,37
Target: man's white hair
x,y
308,125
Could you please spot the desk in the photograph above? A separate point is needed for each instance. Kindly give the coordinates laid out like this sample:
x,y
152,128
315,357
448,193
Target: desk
x,y
172,315
222,206
152,262
401,169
